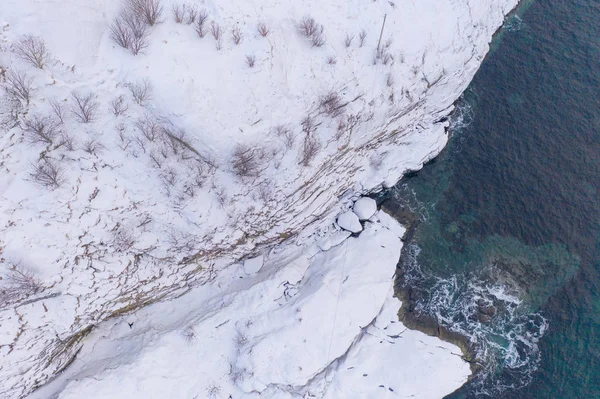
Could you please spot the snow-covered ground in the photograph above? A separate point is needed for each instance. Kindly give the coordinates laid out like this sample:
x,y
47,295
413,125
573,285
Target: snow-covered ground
x,y
309,322
155,202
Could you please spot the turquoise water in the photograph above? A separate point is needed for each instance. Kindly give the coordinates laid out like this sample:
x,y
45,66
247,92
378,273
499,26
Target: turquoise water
x,y
507,251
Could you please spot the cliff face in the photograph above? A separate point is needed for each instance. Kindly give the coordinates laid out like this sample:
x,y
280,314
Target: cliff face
x,y
222,149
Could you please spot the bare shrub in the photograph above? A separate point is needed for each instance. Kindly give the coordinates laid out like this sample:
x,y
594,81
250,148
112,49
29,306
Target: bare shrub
x,y
318,40
118,106
236,35
213,391
308,124
148,11
140,90
362,37
192,14
67,141
122,238
42,130
346,124
85,106
217,33
58,109
332,104
250,60
382,55
308,26
312,30
48,173
389,80
92,147
179,12
246,160
129,31
189,334
168,179
33,50
215,30
201,23
18,86
149,127
331,60
310,149
348,40
18,283
286,135
120,31
263,29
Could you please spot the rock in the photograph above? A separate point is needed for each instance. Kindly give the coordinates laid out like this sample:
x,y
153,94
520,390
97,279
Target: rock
x,y
365,208
349,221
253,265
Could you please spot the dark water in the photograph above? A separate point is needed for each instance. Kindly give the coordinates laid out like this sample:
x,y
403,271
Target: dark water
x,y
508,248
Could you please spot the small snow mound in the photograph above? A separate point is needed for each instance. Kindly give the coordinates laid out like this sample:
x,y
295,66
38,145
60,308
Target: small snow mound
x,y
253,265
365,208
349,221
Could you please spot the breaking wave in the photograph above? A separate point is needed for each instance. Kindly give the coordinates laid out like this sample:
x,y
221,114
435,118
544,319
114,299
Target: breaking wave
x,y
503,332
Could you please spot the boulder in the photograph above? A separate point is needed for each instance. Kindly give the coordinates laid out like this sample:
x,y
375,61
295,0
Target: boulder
x,y
365,208
349,221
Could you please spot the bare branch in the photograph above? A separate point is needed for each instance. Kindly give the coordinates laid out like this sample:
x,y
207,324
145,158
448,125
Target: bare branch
x,y
331,104
33,50
18,283
310,149
362,36
179,12
149,11
141,90
58,109
348,40
236,35
85,106
130,32
246,160
318,39
92,147
118,106
122,238
286,134
42,130
48,173
308,26
216,31
263,29
250,60
18,86
149,127
201,23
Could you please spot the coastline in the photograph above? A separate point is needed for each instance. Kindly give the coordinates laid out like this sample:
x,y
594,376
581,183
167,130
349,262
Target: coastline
x,y
389,174
425,323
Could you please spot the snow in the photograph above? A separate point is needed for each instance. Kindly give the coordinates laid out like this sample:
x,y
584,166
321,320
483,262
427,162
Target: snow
x,y
315,326
349,221
365,208
141,219
253,265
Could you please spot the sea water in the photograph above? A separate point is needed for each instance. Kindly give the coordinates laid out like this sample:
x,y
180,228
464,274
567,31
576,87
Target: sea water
x,y
506,249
